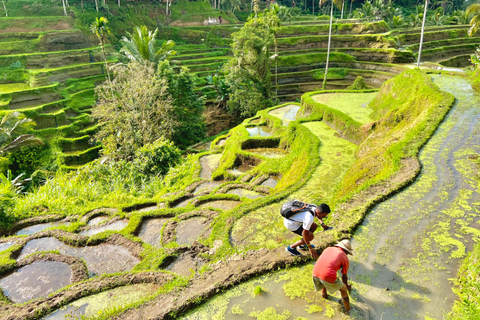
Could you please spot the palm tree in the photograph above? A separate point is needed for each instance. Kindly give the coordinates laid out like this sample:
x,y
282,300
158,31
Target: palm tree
x,y
100,29
421,36
343,6
274,24
140,46
337,3
11,127
474,23
5,8
64,9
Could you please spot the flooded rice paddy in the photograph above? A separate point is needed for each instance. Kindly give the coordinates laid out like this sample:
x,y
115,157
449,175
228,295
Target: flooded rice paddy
x,y
189,230
100,259
286,114
220,204
268,152
263,131
408,249
245,193
95,304
115,226
40,227
36,280
150,231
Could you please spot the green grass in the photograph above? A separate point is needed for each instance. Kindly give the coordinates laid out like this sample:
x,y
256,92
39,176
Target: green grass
x,y
353,104
12,87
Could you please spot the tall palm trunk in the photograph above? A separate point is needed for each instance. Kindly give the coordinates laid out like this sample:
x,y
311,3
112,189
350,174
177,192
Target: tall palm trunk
x,y
81,2
421,36
166,10
324,84
119,3
5,8
66,1
96,5
102,45
276,66
351,2
343,6
64,9
313,7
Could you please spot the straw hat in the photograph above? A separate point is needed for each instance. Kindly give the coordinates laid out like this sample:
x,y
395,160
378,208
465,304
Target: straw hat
x,y
346,245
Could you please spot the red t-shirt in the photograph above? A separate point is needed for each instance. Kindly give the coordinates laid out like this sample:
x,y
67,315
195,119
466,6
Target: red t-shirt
x,y
330,261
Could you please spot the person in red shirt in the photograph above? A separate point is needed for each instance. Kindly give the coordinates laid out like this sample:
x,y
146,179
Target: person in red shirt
x,y
325,278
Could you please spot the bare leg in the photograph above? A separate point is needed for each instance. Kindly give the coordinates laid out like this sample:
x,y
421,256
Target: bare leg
x,y
345,298
324,293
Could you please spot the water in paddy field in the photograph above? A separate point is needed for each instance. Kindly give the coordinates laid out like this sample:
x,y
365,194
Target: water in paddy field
x,y
408,249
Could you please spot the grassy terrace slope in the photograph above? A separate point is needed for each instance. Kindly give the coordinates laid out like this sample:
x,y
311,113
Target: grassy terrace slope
x,y
48,70
229,196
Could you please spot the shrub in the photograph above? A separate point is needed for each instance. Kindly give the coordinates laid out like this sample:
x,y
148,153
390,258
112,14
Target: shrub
x,y
156,158
358,84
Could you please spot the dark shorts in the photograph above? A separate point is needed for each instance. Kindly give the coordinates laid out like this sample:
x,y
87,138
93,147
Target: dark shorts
x,y
299,231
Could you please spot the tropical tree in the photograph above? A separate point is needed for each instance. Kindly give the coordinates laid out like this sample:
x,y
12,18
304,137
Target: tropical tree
x,y
100,28
140,46
421,35
248,72
460,17
337,3
473,9
188,105
437,18
13,128
141,112
221,87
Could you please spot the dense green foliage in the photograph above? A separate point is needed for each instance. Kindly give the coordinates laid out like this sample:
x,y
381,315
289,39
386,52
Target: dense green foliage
x,y
248,73
188,106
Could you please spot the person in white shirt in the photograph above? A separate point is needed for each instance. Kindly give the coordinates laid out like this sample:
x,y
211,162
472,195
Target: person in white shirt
x,y
302,223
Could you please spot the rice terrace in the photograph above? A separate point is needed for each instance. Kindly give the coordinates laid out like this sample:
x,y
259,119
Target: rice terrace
x,y
148,149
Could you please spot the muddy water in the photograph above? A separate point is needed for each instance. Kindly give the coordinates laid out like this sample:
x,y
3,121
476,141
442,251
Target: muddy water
x,y
36,280
220,204
101,259
40,227
286,114
209,164
207,185
96,304
116,226
271,182
409,247
189,230
97,220
150,231
245,193
4,246
184,265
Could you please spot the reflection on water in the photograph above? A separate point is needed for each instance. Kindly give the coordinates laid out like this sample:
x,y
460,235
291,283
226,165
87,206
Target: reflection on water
x,y
38,279
116,226
287,113
6,245
100,259
189,230
263,131
95,304
271,182
40,227
207,185
150,230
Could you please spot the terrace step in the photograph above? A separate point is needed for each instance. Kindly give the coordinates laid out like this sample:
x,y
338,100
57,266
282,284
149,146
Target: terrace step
x,y
203,61
54,59
61,75
76,158
460,61
442,53
30,97
75,144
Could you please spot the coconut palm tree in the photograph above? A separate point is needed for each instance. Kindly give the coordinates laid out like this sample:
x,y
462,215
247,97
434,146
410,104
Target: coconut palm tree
x,y
100,28
475,22
337,3
5,8
64,9
343,6
274,23
140,46
421,35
